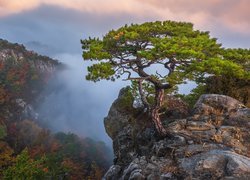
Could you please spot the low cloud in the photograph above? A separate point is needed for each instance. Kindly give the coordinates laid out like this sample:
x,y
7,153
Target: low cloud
x,y
75,105
55,28
60,28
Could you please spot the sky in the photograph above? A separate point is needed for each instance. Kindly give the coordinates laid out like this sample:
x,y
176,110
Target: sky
x,y
54,28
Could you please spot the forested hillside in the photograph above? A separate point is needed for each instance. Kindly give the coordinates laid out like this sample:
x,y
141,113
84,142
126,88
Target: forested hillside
x,y
28,149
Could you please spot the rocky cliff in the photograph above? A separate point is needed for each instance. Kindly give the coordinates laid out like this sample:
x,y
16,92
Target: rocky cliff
x,y
23,76
23,73
210,142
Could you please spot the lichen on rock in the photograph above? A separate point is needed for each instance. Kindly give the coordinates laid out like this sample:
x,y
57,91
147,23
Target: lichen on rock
x,y
210,143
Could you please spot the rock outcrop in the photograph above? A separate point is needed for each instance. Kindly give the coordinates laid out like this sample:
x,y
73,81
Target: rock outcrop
x,y
23,76
213,142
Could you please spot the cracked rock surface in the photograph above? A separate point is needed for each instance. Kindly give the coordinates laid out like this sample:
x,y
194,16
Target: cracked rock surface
x,y
212,142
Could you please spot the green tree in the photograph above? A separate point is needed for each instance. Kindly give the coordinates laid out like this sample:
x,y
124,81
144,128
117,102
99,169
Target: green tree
x,y
227,84
3,132
182,52
6,157
26,168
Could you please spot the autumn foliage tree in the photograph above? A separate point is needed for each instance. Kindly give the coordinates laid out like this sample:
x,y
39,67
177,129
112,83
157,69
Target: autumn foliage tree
x,y
178,50
28,150
26,168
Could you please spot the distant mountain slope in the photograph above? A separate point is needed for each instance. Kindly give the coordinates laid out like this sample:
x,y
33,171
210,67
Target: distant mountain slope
x,y
24,144
23,73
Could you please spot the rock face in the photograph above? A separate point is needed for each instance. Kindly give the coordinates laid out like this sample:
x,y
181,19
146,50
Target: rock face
x,y
117,118
23,76
211,143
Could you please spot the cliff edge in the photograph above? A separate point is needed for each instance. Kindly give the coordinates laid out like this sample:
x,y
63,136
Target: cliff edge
x,y
211,142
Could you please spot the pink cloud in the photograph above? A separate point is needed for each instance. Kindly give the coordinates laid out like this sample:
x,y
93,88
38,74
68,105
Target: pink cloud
x,y
229,13
8,7
232,14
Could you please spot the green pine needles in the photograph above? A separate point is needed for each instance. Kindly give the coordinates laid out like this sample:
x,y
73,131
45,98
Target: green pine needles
x,y
184,53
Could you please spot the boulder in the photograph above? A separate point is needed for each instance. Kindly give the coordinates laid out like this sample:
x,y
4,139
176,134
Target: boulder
x,y
212,143
216,164
216,105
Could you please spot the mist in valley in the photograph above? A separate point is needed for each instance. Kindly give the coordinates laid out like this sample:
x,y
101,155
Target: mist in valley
x,y
73,104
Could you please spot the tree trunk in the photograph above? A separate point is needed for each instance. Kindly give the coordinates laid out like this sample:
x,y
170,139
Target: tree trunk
x,y
159,98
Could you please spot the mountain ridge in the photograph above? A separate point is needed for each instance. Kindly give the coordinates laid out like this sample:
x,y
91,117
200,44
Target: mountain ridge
x,y
25,142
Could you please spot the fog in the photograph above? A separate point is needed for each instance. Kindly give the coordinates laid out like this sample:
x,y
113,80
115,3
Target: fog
x,y
73,104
